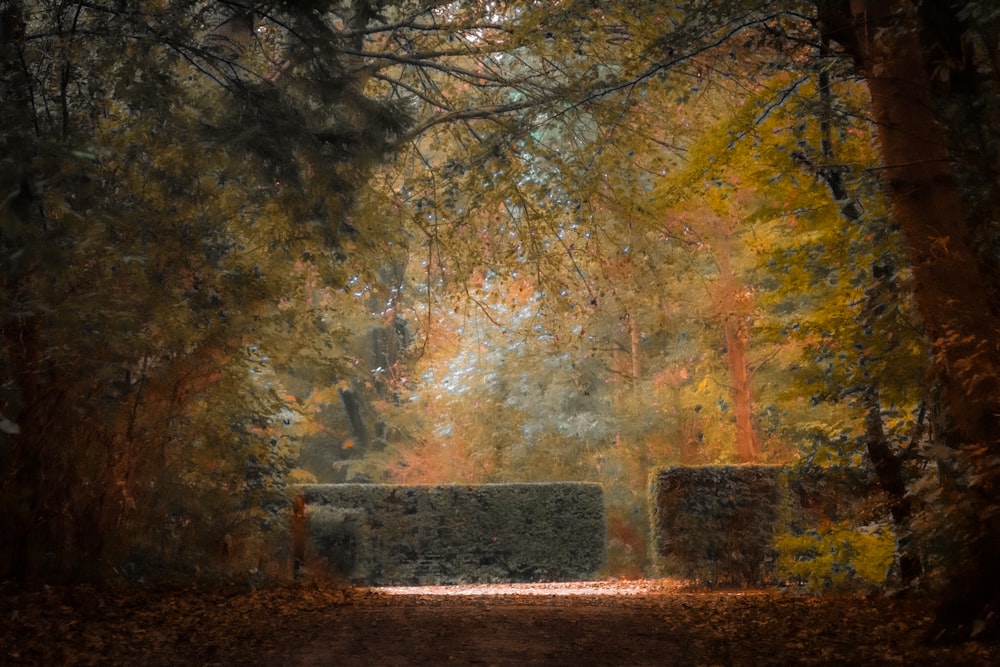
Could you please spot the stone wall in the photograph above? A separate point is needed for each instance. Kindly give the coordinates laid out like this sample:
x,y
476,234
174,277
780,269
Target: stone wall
x,y
379,534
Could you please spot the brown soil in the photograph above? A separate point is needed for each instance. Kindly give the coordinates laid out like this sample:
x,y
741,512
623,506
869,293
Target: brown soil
x,y
602,623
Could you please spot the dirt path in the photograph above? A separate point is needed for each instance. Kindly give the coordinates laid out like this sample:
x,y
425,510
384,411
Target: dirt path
x,y
640,624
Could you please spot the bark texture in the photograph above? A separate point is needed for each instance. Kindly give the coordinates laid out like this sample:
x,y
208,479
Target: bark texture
x,y
960,318
953,295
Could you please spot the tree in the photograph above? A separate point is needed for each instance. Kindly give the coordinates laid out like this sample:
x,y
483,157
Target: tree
x,y
889,43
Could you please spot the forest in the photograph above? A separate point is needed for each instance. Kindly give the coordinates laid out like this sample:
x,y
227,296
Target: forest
x,y
246,245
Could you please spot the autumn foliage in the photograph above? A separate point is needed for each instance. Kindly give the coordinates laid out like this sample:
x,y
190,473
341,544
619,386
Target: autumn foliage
x,y
243,244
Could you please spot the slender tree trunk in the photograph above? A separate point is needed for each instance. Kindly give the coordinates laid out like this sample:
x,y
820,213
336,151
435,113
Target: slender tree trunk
x,y
886,460
733,310
634,340
21,522
739,380
356,420
300,529
888,465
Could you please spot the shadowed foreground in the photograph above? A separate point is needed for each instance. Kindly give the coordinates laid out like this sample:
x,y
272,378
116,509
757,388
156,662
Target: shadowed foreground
x,y
597,624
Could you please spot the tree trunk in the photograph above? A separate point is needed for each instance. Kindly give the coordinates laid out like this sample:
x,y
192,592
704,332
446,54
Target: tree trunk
x,y
889,471
926,199
887,461
959,316
739,380
356,420
734,311
300,530
634,341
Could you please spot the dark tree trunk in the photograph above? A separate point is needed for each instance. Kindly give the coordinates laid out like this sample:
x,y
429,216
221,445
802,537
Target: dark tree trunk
x,y
889,469
356,420
300,529
960,318
886,460
966,105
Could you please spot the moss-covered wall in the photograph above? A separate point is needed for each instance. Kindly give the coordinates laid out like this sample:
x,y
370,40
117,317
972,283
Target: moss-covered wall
x,y
753,525
384,534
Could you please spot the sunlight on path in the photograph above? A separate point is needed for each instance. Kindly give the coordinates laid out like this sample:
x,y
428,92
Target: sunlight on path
x,y
606,587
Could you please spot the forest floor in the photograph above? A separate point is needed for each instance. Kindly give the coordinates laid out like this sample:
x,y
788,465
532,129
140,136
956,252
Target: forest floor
x,y
593,623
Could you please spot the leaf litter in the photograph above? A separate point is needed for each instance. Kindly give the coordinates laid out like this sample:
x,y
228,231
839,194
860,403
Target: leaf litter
x,y
648,622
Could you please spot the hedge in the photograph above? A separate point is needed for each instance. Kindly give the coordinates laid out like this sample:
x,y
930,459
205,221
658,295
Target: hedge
x,y
380,534
757,525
